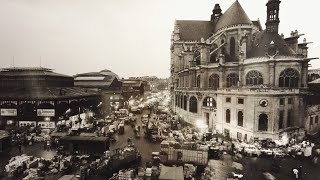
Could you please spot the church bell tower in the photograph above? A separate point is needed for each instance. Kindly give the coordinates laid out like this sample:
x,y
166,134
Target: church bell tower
x,y
273,21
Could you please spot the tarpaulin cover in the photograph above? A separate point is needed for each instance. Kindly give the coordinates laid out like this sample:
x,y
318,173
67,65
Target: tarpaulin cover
x,y
171,173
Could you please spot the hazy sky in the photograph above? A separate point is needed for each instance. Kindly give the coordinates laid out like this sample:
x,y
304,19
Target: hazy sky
x,y
129,37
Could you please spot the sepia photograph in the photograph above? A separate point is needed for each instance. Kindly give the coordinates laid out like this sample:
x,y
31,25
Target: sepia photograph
x,y
159,90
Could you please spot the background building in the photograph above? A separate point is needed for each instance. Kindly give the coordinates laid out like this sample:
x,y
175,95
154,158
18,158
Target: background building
x,y
41,97
109,86
242,81
156,84
103,80
313,74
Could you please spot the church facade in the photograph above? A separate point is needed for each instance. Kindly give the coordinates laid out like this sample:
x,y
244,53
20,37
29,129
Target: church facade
x,y
240,80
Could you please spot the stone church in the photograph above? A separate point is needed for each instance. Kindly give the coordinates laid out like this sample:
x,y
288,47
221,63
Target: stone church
x,y
240,80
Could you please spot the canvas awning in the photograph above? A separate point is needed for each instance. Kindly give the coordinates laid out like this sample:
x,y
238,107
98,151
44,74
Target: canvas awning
x,y
171,173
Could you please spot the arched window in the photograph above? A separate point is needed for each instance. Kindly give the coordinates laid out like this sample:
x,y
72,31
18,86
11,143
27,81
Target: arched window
x,y
232,80
240,118
198,81
232,47
185,101
214,81
254,78
263,122
228,116
193,105
289,78
209,102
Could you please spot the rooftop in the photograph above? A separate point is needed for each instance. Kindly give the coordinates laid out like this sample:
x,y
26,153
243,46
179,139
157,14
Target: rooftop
x,y
26,69
233,15
265,41
29,71
131,82
194,30
46,93
104,72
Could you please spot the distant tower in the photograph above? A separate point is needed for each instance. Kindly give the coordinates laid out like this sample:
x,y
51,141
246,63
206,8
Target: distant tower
x,y
273,21
216,12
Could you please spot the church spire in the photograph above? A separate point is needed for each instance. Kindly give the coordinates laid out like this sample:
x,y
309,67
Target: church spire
x,y
273,21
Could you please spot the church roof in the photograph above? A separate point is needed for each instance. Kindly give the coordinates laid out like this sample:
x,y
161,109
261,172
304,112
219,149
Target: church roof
x,y
264,40
194,30
234,15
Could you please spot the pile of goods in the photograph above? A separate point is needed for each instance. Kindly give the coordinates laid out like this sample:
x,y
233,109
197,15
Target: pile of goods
x,y
18,164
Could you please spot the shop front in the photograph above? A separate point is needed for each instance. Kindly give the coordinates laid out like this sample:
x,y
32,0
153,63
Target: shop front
x,y
8,117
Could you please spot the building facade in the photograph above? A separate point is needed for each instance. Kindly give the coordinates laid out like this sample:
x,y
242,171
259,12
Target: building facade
x,y
109,86
41,97
155,84
242,81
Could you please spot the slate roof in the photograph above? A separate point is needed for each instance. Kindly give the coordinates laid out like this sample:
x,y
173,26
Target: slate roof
x,y
131,83
103,78
263,41
46,93
233,15
29,71
104,72
194,30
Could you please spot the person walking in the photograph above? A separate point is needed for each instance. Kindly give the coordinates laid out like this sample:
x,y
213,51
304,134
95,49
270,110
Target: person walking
x,y
48,145
295,172
19,147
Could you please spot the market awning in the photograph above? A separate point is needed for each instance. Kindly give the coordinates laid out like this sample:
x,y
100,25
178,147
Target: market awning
x,y
59,134
289,129
171,173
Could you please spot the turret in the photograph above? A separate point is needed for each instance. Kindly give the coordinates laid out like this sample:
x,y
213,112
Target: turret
x,y
176,32
272,24
216,12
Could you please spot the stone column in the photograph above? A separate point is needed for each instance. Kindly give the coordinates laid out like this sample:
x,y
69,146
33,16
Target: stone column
x,y
304,74
205,55
221,78
241,76
271,74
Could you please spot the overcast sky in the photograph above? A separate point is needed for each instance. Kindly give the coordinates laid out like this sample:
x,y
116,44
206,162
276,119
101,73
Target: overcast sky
x,y
129,37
